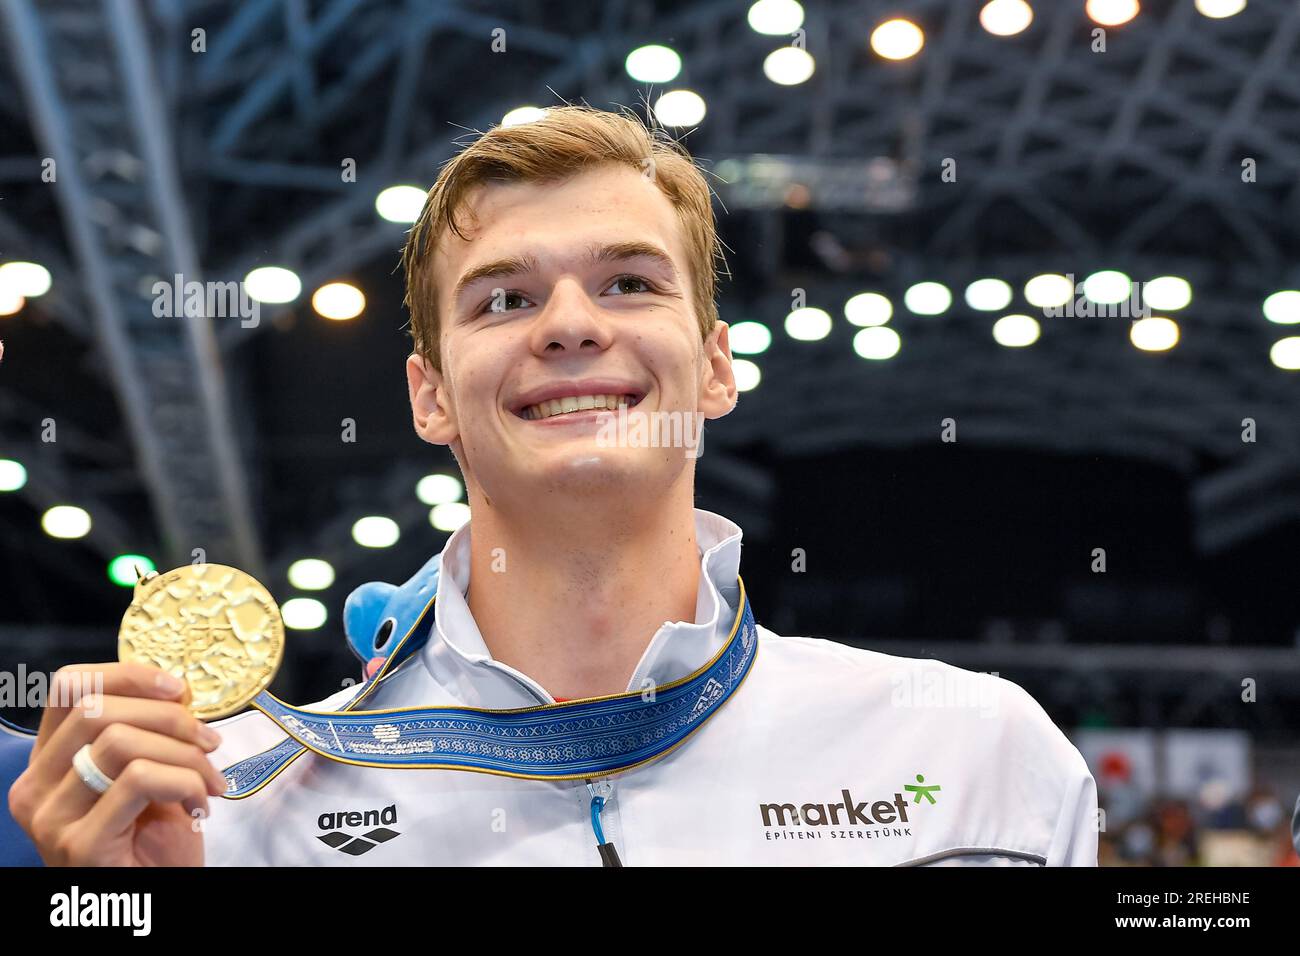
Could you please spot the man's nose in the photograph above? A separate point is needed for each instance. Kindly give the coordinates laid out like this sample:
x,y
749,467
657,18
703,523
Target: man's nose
x,y
570,320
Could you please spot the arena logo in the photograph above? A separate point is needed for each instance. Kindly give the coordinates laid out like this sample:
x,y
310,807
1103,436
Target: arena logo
x,y
338,839
1133,306
656,429
218,300
846,820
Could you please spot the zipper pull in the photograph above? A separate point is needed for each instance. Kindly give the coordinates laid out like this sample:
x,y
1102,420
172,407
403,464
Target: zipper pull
x,y
600,792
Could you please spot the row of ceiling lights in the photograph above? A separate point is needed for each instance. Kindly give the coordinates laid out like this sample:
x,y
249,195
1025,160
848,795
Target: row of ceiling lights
x,y
441,492
1108,288
894,39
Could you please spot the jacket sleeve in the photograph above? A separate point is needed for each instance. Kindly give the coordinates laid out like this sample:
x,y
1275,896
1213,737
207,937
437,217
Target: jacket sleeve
x,y
1074,841
1053,782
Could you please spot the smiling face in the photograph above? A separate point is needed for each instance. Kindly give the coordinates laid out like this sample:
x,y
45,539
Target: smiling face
x,y
573,288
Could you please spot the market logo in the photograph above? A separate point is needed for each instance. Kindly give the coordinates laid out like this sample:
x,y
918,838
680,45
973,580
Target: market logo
x,y
848,819
354,845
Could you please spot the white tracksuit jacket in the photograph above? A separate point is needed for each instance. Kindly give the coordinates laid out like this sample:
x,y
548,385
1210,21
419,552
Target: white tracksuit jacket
x,y
807,764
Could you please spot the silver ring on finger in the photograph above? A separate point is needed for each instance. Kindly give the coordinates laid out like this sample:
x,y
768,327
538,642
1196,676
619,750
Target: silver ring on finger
x,y
89,773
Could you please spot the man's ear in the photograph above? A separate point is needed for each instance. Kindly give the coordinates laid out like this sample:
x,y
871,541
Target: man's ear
x,y
433,419
718,395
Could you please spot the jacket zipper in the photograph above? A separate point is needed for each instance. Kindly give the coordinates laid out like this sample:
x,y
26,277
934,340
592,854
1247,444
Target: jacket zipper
x,y
601,791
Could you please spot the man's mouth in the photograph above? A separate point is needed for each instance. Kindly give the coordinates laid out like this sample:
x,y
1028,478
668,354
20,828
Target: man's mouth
x,y
577,403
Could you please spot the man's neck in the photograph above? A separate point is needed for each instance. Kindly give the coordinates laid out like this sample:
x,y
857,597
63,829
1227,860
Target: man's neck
x,y
572,600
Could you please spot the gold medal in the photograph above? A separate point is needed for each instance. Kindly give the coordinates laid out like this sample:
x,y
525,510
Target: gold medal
x,y
214,626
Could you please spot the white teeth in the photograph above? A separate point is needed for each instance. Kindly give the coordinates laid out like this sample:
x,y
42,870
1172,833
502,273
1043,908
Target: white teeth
x,y
575,403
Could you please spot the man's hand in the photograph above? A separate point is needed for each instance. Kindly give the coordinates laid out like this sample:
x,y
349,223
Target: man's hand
x,y
145,739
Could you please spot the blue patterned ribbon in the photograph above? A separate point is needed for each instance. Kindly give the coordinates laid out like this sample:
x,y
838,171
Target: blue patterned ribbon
x,y
567,741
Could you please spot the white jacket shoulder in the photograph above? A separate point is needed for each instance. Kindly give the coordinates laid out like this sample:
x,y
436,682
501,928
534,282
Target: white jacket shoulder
x,y
992,727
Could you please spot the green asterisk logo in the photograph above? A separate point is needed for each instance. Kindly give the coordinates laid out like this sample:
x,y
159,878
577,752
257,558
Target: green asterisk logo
x,y
927,792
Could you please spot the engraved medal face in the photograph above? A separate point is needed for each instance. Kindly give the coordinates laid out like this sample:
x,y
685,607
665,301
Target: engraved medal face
x,y
214,626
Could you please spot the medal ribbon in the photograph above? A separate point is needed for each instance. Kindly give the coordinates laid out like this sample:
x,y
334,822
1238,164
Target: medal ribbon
x,y
576,739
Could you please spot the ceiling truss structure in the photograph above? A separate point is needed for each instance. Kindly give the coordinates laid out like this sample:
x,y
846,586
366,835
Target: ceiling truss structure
x,y
86,72
1039,126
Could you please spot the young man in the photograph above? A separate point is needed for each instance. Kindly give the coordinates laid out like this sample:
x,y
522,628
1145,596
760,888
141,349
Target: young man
x,y
573,257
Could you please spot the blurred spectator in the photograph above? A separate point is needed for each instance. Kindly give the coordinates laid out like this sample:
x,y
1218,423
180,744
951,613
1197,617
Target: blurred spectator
x,y
1215,831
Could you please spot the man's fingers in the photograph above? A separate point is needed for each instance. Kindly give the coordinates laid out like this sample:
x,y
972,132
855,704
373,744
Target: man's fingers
x,y
141,783
113,751
90,839
119,744
168,718
72,684
134,720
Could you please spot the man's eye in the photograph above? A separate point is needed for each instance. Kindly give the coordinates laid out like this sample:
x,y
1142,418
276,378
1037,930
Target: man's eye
x,y
505,302
630,285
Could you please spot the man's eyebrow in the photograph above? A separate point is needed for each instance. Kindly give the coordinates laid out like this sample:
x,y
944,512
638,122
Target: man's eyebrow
x,y
632,249
498,268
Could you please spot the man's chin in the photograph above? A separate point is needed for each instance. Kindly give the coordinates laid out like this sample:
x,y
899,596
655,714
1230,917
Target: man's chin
x,y
587,468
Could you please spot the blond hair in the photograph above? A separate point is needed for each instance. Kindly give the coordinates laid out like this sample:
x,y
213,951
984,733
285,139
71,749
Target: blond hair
x,y
567,140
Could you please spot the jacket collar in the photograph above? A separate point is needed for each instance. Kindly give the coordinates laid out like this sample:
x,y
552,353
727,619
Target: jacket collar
x,y
460,663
